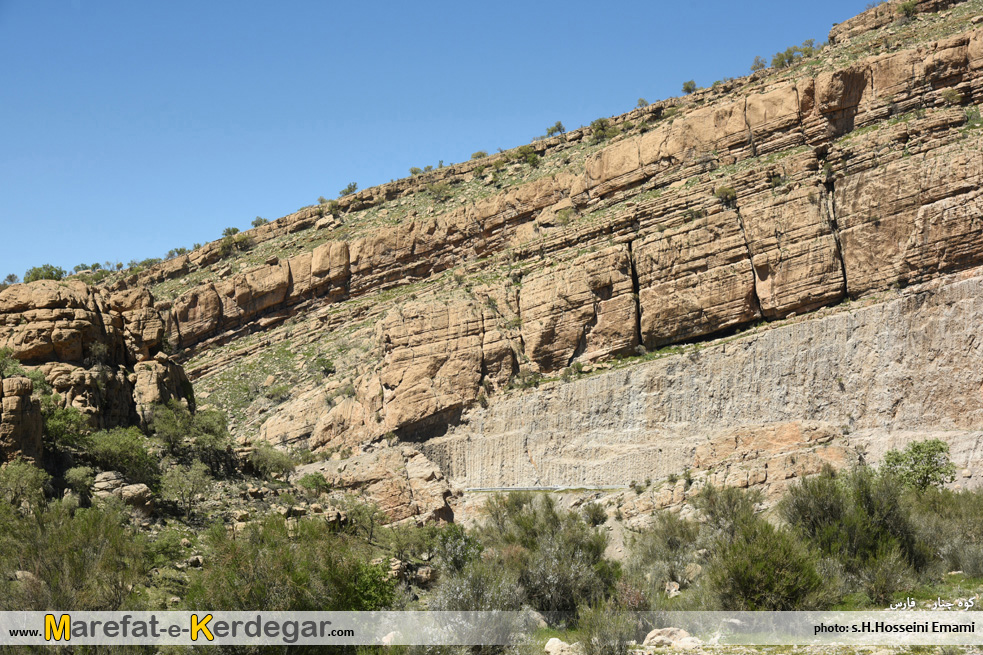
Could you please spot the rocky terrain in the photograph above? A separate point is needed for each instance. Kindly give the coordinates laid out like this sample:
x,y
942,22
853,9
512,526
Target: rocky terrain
x,y
741,284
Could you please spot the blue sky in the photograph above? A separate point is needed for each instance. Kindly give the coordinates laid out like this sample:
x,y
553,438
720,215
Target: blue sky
x,y
130,128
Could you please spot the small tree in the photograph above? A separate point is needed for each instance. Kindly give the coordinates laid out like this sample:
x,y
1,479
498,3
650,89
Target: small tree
x,y
642,102
21,481
183,485
758,64
230,231
44,272
480,154
908,9
556,128
269,462
80,480
259,220
922,464
348,190
689,87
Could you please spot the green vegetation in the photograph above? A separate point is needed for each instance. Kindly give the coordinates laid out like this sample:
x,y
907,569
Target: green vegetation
x,y
689,87
793,54
269,462
601,130
555,128
125,450
908,9
726,195
480,154
258,221
348,190
922,464
642,102
43,272
184,484
759,64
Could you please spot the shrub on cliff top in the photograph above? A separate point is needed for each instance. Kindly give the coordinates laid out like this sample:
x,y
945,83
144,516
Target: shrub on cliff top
x,y
44,272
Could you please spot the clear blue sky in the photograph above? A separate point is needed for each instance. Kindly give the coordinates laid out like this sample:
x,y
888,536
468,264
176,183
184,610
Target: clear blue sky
x,y
130,128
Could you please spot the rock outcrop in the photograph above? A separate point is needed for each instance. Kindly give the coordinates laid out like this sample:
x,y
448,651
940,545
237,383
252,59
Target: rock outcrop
x,y
99,352
20,420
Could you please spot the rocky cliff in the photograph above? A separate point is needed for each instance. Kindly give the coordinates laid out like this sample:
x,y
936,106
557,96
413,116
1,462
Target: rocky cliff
x,y
431,310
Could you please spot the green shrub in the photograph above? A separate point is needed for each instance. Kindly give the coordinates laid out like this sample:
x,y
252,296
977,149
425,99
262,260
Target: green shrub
x,y
80,480
166,548
726,195
440,191
642,102
259,221
415,170
314,484
9,365
125,450
266,567
230,231
689,87
557,558
527,154
481,154
908,9
43,272
664,551
348,190
11,279
594,514
270,462
952,97
855,518
758,64
183,485
605,630
64,427
601,130
764,568
478,587
324,366
922,464
84,559
455,548
23,482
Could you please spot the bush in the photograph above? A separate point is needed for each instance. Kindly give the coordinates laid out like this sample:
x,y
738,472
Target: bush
x,y
325,366
594,514
84,559
258,221
22,482
922,464
415,170
44,272
605,630
908,9
267,567
689,87
527,154
952,97
455,548
11,279
314,483
125,450
601,130
758,64
183,485
230,231
270,462
80,480
478,587
480,154
557,558
663,552
764,568
726,195
642,102
348,190
855,518
64,427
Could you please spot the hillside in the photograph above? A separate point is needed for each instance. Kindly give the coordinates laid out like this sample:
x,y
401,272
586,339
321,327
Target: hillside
x,y
766,275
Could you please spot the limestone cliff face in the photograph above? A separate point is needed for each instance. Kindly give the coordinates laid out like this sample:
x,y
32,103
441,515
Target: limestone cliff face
x,y
408,310
95,349
906,368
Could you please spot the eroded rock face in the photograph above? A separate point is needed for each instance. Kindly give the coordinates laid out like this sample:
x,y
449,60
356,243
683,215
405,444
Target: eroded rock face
x,y
402,481
20,420
86,342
